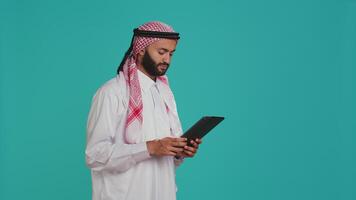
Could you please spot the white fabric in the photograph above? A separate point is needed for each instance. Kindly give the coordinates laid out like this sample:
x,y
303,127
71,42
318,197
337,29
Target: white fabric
x,y
126,171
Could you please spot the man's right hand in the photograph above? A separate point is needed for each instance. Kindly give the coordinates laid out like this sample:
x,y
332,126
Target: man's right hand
x,y
167,146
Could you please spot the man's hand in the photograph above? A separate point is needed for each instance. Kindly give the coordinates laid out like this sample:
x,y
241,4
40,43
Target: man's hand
x,y
167,146
190,151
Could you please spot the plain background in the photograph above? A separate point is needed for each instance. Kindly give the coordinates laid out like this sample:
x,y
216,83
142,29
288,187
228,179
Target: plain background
x,y
281,72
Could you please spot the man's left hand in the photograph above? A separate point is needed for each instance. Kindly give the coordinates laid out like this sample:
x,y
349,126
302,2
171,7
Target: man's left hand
x,y
190,151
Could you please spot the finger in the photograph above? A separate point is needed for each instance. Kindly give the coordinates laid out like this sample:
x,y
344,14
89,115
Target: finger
x,y
171,153
174,149
168,153
172,140
179,144
199,141
178,139
194,144
188,153
191,149
175,139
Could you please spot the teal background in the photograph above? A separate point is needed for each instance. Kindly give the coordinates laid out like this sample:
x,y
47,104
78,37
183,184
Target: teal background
x,y
281,72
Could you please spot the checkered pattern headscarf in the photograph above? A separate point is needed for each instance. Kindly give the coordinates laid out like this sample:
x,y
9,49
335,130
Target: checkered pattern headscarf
x,y
129,71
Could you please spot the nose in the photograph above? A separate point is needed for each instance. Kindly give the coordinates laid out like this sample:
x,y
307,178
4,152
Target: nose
x,y
167,58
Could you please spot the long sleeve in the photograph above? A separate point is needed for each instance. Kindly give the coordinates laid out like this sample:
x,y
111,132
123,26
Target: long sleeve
x,y
105,149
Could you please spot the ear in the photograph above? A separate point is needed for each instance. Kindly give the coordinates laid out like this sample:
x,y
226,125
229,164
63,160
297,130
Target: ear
x,y
142,52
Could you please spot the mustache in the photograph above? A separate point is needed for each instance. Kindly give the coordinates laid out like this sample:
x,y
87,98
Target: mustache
x,y
163,64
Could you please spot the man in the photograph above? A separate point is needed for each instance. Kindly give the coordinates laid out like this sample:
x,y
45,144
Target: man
x,y
133,130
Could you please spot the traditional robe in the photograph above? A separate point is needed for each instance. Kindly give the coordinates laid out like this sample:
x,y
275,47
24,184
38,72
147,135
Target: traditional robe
x,y
122,171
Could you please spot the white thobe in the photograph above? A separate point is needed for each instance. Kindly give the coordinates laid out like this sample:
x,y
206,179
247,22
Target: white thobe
x,y
126,171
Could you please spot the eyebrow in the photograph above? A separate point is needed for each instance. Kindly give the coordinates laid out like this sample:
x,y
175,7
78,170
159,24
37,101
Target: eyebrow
x,y
166,50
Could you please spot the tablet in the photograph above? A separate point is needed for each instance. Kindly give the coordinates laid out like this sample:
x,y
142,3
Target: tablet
x,y
202,127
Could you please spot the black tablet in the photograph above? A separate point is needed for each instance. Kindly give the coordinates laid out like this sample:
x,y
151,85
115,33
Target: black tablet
x,y
202,127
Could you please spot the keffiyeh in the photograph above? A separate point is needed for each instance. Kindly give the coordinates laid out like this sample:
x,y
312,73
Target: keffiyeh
x,y
145,35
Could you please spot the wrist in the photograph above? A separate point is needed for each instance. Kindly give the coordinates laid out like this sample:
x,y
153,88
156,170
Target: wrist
x,y
151,147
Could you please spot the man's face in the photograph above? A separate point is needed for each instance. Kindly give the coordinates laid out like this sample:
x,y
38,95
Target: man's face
x,y
157,57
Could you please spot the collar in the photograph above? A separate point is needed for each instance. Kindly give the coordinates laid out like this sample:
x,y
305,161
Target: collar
x,y
145,81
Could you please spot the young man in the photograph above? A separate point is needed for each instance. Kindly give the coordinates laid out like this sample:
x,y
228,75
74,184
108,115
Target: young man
x,y
133,130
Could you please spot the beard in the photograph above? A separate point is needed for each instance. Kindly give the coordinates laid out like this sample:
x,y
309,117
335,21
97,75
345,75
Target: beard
x,y
152,68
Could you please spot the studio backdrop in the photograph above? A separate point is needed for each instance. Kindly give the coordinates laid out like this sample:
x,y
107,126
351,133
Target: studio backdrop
x,y
282,73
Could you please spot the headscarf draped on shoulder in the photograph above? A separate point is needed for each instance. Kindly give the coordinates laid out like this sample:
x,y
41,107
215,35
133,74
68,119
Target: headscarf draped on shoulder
x,y
143,36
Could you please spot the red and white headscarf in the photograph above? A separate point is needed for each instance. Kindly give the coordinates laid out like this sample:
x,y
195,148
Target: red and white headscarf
x,y
135,106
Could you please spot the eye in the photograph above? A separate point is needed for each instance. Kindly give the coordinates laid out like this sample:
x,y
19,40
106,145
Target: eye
x,y
161,52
